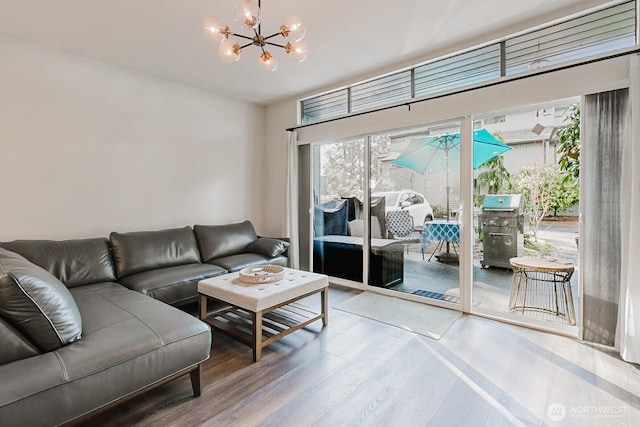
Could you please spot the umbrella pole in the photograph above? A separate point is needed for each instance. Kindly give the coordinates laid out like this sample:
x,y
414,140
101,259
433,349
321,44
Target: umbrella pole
x,y
446,256
446,159
447,188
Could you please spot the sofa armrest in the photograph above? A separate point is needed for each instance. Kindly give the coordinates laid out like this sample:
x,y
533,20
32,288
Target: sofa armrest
x,y
268,246
286,239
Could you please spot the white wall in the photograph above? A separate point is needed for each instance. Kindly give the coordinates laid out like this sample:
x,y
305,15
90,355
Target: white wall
x,y
87,148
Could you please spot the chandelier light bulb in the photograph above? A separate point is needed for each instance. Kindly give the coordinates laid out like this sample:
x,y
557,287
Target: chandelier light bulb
x,y
214,29
229,51
297,50
267,61
248,14
293,28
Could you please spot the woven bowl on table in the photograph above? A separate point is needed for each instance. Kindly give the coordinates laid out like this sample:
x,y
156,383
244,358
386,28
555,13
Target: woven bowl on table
x,y
261,274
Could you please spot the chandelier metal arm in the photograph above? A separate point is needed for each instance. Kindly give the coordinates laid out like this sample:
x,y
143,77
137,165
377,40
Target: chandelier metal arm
x,y
279,33
275,44
241,36
262,47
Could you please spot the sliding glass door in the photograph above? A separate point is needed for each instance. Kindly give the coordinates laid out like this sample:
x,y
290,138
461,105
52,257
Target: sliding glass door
x,y
338,173
526,218
386,211
388,214
396,212
414,204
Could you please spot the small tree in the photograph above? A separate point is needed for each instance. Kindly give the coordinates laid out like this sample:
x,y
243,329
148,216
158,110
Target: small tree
x,y
565,194
537,184
343,168
494,175
569,149
343,165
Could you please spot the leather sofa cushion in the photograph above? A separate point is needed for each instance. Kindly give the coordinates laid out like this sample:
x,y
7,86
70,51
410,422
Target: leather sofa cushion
x,y
238,262
268,246
130,341
149,250
123,324
217,241
14,346
36,303
73,262
173,285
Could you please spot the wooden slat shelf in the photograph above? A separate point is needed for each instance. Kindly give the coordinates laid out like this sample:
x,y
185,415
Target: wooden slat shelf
x,y
277,323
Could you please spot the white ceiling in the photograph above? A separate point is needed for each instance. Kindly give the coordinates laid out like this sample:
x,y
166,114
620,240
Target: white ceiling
x,y
347,39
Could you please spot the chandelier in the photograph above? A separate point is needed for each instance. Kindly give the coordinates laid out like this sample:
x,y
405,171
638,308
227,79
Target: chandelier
x,y
248,16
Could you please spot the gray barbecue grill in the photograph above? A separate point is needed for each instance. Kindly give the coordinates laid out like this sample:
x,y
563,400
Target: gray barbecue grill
x,y
502,225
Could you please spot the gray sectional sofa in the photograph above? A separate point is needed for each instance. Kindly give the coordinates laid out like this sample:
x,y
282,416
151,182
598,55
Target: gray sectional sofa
x,y
86,323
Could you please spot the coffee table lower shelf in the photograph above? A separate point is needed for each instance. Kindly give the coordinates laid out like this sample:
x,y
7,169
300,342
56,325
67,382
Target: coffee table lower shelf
x,y
262,328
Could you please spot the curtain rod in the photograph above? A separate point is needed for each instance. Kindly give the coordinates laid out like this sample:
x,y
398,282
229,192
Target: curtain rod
x,y
408,104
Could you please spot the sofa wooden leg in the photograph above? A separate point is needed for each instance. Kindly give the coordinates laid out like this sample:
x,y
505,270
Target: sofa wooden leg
x,y
196,384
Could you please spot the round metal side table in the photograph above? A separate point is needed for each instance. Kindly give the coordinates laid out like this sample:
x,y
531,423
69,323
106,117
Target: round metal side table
x,y
542,285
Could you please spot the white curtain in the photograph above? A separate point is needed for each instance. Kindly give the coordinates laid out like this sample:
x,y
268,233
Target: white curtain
x,y
628,327
291,216
605,117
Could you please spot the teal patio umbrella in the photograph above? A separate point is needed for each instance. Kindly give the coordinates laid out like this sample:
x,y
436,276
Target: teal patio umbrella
x,y
431,153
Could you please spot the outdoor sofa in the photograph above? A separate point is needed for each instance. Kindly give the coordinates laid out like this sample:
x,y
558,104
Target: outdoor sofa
x,y
337,247
86,323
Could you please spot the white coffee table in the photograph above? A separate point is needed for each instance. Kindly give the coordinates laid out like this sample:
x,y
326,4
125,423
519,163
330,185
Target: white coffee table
x,y
263,313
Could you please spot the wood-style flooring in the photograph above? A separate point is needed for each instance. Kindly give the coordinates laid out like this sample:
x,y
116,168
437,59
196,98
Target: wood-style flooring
x,y
357,371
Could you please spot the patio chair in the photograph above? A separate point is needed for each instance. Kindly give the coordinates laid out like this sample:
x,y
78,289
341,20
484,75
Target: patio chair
x,y
331,218
400,226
